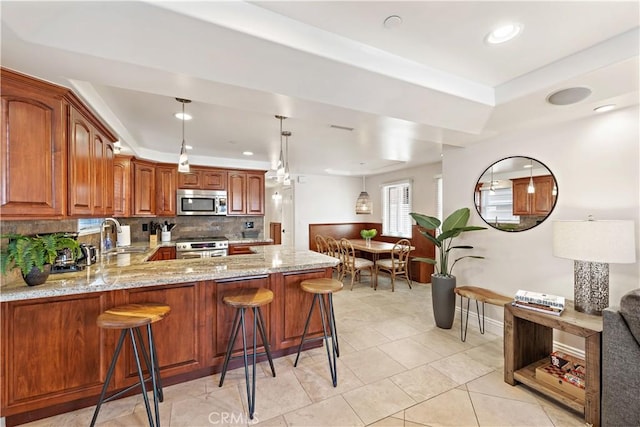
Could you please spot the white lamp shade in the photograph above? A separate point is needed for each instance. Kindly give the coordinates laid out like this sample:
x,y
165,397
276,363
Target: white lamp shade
x,y
595,241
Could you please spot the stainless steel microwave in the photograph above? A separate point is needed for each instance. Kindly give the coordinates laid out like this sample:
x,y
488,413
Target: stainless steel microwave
x,y
201,202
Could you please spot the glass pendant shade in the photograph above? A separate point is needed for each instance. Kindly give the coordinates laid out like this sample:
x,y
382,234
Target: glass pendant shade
x,y
531,188
281,164
183,161
364,204
287,175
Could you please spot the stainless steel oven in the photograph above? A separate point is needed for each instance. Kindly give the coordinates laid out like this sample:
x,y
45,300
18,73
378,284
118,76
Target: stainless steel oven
x,y
202,248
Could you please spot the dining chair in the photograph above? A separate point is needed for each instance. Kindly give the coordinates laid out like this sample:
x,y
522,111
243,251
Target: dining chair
x,y
321,244
397,264
353,265
333,249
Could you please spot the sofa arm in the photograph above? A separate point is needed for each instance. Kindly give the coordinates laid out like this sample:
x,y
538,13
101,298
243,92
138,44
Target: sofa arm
x,y
620,373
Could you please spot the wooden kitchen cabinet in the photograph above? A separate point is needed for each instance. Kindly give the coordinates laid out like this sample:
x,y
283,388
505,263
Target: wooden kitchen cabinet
x,y
122,180
33,168
245,193
90,168
203,179
144,188
177,336
57,157
164,254
166,180
244,248
52,351
539,203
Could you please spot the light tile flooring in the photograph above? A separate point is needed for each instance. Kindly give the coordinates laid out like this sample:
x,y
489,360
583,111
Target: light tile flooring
x,y
396,368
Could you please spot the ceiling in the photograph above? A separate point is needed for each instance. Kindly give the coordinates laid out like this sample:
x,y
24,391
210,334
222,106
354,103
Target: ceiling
x,y
404,90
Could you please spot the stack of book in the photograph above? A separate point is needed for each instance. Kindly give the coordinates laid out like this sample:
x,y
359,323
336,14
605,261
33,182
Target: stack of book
x,y
544,303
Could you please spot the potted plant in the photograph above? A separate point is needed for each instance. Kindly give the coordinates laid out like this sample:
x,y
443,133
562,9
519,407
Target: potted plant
x,y
368,234
33,255
443,282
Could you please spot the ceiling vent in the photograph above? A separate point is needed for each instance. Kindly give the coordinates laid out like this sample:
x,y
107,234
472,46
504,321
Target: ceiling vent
x,y
341,127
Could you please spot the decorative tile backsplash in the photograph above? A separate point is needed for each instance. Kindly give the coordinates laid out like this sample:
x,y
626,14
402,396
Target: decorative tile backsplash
x,y
186,227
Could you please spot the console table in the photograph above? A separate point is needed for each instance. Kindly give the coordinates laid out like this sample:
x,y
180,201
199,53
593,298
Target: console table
x,y
528,342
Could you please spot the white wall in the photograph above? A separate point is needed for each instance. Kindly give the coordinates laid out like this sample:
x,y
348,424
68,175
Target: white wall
x,y
596,164
324,199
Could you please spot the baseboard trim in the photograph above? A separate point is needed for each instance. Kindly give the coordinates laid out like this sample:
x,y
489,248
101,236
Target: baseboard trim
x,y
496,327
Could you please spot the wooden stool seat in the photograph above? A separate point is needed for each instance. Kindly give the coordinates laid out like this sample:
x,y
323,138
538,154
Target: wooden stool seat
x,y
130,319
248,298
321,285
482,295
241,300
132,315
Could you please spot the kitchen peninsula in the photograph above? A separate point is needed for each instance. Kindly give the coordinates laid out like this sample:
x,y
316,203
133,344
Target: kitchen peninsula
x,y
55,358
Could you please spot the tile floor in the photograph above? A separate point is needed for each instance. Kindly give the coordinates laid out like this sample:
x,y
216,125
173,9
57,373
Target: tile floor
x,y
396,368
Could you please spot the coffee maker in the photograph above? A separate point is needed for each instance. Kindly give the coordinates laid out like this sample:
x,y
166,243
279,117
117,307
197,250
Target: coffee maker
x,y
66,261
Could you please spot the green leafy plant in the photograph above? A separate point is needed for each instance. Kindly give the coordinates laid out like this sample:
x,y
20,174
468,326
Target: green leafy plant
x,y
26,252
445,232
369,234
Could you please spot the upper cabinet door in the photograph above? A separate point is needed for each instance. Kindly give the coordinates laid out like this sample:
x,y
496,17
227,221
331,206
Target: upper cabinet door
x,y
81,173
236,189
144,188
255,194
33,171
191,179
122,186
166,190
214,179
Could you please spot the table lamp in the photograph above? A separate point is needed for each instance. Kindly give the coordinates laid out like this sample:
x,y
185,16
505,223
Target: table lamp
x,y
593,245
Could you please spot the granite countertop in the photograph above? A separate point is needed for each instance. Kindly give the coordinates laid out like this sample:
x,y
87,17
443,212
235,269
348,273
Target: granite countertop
x,y
132,270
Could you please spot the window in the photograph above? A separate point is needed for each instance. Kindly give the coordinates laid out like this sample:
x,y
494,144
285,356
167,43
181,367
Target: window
x,y
396,206
498,207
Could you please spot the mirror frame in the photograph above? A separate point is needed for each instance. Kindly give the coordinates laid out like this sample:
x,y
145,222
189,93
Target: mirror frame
x,y
477,195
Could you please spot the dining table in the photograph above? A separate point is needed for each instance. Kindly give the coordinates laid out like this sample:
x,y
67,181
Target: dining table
x,y
375,248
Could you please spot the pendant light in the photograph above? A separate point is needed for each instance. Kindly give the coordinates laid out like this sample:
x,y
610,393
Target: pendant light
x,y
281,165
286,180
492,190
183,162
530,188
363,204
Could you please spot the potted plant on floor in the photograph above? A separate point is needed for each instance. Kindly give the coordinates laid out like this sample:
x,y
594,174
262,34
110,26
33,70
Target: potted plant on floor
x,y
442,281
33,255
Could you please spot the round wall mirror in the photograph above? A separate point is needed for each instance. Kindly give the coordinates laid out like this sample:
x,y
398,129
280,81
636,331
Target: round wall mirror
x,y
515,194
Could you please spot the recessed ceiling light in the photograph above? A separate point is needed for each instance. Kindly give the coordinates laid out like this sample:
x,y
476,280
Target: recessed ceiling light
x,y
569,96
603,108
504,33
527,166
392,21
248,153
180,116
188,147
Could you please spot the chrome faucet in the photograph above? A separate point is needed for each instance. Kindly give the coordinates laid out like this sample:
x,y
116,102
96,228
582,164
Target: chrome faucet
x,y
105,224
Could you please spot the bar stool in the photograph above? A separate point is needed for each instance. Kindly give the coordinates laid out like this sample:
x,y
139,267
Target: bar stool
x,y
242,299
131,318
320,287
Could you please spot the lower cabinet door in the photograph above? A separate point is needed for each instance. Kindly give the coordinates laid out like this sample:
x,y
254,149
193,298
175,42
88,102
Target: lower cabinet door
x,y
176,336
52,351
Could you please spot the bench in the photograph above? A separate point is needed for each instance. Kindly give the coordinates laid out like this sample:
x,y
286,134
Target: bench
x,y
480,295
